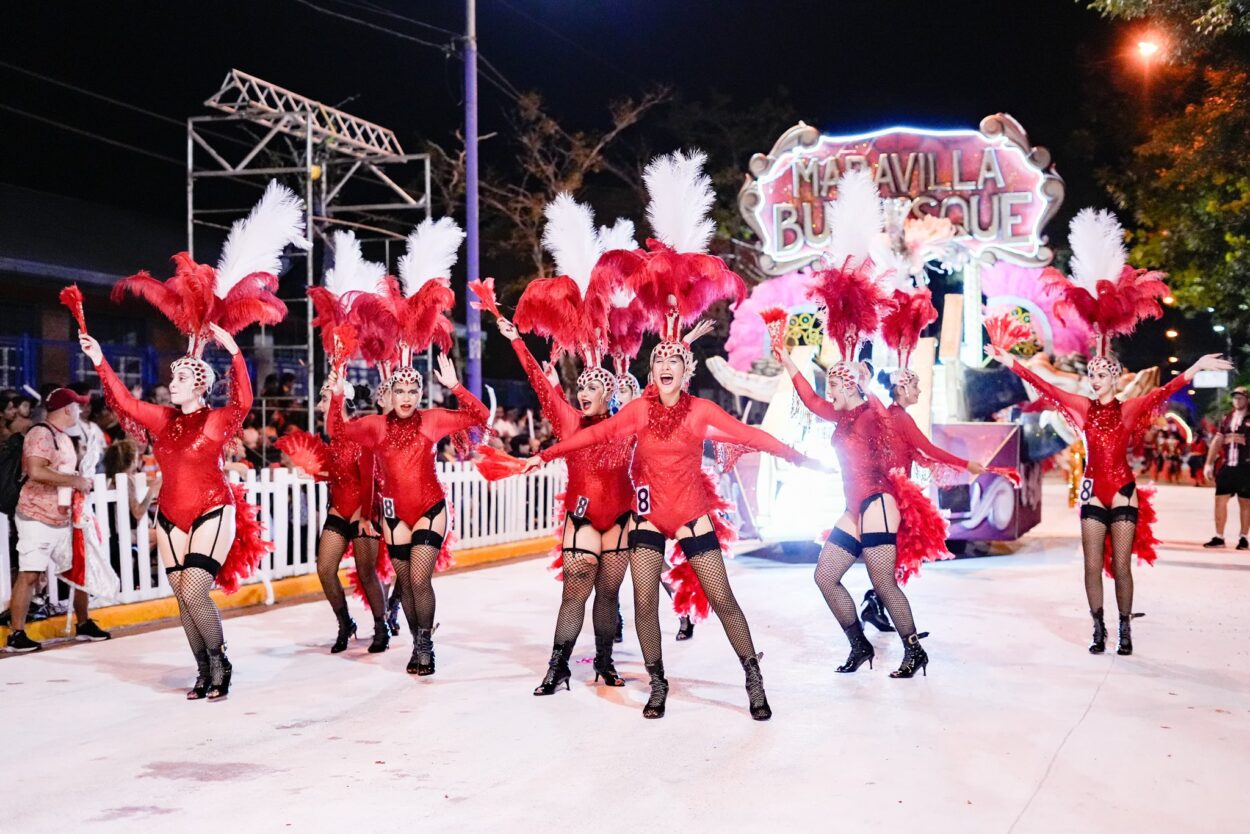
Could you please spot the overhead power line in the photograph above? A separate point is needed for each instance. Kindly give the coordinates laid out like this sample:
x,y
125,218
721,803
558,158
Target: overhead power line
x,y
116,143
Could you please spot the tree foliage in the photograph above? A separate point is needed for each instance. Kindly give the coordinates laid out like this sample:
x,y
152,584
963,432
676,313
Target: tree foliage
x,y
1194,23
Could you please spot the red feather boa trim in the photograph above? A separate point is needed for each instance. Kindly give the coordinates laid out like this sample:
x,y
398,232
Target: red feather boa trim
x,y
249,545
921,528
1144,541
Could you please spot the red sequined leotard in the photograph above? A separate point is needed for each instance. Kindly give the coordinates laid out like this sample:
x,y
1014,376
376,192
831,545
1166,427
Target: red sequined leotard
x,y
350,471
913,446
667,469
188,447
1109,428
404,447
599,481
863,440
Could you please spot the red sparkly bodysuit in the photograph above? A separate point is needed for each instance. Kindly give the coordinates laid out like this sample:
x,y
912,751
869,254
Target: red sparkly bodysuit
x,y
188,447
405,450
350,470
863,440
1109,428
599,487
671,489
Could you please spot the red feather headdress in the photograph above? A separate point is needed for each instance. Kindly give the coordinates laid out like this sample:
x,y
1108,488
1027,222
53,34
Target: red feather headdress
x,y
421,306
240,291
902,326
356,297
1105,291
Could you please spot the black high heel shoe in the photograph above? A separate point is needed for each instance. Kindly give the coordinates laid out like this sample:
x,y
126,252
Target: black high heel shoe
x,y
557,670
758,701
347,631
604,667
202,677
874,613
422,660
1126,635
221,672
1098,643
685,628
861,650
915,658
381,637
659,691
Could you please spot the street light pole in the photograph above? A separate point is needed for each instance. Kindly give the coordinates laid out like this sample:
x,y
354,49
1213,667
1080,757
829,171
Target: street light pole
x,y
472,317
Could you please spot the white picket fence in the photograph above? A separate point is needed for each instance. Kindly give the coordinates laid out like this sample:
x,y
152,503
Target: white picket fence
x,y
293,509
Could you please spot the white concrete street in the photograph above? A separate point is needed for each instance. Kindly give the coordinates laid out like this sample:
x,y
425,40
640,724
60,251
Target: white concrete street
x,y
1016,727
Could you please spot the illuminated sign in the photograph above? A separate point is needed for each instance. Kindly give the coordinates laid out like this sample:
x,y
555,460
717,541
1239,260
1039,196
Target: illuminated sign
x,y
996,189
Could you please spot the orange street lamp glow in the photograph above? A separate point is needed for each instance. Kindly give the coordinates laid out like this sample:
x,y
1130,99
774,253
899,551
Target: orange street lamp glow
x,y
1147,49
1171,334
1169,300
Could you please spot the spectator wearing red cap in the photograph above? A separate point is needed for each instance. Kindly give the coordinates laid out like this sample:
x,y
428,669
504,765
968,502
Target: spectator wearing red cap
x,y
44,535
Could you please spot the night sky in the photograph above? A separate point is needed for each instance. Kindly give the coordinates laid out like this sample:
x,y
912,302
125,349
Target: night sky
x,y
846,66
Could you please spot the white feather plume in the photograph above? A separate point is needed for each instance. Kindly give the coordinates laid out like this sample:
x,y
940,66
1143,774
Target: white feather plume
x,y
855,218
433,249
1097,242
620,235
571,239
681,197
351,272
255,243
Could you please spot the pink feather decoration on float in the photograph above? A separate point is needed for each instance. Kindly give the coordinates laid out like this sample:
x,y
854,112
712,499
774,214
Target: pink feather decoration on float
x,y
747,333
1009,286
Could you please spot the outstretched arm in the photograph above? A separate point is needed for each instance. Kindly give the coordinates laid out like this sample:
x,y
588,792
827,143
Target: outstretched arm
x,y
627,422
820,407
739,432
1134,408
366,431
1073,406
906,428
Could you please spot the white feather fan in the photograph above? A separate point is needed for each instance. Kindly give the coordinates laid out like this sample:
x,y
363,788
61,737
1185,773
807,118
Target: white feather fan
x,y
571,239
855,218
1097,242
620,235
681,197
351,272
433,248
255,243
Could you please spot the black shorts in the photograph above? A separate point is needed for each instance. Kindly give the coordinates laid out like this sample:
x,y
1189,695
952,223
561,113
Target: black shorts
x,y
1233,480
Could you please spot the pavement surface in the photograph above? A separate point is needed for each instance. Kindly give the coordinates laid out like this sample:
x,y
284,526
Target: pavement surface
x,y
1015,728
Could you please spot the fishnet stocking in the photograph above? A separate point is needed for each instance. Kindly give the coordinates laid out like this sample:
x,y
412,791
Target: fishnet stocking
x,y
1093,541
403,587
646,565
184,615
612,567
832,565
330,549
709,566
366,554
1123,534
580,570
195,605
882,561
420,585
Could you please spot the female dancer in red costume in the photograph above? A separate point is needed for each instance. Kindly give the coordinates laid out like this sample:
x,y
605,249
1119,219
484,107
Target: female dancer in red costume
x,y
351,283
1112,297
598,515
207,529
1110,500
674,499
414,506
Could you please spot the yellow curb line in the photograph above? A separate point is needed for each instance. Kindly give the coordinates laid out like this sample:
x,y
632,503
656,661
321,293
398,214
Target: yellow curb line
x,y
148,611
